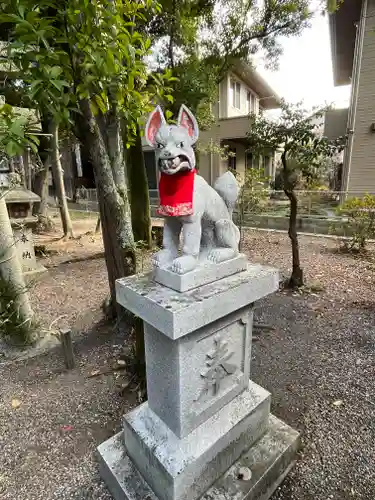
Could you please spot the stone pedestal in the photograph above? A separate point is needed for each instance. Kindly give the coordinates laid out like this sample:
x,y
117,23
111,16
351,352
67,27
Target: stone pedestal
x,y
204,419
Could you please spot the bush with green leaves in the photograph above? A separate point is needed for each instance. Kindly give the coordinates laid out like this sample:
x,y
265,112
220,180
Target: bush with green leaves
x,y
16,131
254,192
358,221
14,329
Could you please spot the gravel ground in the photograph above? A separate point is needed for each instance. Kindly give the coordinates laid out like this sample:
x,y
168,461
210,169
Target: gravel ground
x,y
318,362
320,370
47,443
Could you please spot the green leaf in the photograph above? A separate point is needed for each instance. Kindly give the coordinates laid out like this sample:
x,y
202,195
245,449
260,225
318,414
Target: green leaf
x,y
21,10
55,71
59,84
10,18
17,128
12,149
6,109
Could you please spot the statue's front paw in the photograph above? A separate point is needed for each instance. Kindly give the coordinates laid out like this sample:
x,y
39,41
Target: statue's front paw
x,y
162,258
184,264
221,254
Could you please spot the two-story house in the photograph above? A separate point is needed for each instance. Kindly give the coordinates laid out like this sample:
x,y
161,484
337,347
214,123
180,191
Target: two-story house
x,y
241,92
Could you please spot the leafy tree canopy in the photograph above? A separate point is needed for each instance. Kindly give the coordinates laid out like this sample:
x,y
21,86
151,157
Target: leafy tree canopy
x,y
295,133
17,131
69,50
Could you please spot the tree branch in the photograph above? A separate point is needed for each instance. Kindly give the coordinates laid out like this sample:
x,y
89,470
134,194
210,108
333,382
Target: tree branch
x,y
255,36
171,34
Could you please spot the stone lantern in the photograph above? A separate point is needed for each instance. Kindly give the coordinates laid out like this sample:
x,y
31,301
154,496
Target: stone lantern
x,y
20,203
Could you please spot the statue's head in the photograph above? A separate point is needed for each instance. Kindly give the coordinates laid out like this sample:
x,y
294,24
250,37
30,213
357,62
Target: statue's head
x,y
173,143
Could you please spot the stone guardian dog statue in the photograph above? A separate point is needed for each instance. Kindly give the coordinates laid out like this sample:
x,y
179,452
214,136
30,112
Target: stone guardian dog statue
x,y
188,203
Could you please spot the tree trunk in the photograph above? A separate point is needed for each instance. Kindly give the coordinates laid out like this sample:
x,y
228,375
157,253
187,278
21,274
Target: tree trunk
x,y
98,225
115,213
40,177
296,279
114,204
139,193
26,162
10,266
58,178
11,165
40,187
22,172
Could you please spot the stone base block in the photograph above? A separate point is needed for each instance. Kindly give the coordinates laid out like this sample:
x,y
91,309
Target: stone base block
x,y
183,469
269,461
35,274
206,272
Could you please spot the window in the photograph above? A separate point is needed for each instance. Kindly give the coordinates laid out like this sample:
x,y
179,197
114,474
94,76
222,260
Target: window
x,y
267,165
248,103
249,160
151,169
256,161
255,105
235,94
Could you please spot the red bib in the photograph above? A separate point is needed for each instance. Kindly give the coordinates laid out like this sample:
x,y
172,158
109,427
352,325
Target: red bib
x,y
176,193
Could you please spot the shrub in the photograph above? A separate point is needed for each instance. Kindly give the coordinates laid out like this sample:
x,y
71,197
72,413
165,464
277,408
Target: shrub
x,y
14,329
278,183
360,221
253,195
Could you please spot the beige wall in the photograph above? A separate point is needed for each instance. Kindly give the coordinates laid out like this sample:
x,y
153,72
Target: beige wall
x,y
235,127
335,123
227,110
362,164
223,96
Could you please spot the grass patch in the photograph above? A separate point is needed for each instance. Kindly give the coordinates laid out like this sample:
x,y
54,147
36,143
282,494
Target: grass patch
x,y
83,214
76,214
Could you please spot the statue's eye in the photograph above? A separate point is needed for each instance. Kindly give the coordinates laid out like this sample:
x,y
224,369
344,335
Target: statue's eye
x,y
181,145
159,145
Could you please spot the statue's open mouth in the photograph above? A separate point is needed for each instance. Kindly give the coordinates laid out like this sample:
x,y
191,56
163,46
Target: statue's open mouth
x,y
172,165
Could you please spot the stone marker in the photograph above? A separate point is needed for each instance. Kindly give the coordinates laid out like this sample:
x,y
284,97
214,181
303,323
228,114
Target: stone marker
x,y
206,430
20,205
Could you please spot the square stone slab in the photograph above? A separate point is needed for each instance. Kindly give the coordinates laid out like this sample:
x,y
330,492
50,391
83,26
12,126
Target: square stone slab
x,y
176,314
269,461
206,272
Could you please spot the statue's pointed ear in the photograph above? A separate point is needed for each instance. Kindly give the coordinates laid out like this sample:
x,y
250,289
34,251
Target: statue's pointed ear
x,y
187,120
155,121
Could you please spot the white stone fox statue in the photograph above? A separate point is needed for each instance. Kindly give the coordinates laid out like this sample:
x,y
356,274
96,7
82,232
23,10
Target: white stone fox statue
x,y
188,203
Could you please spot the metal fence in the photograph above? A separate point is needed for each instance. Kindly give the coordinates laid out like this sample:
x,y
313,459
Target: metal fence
x,y
313,203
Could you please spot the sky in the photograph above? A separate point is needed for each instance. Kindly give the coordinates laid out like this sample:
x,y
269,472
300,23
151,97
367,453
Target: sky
x,y
305,69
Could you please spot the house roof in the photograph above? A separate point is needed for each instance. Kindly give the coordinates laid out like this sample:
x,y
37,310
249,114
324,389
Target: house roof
x,y
342,27
269,98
